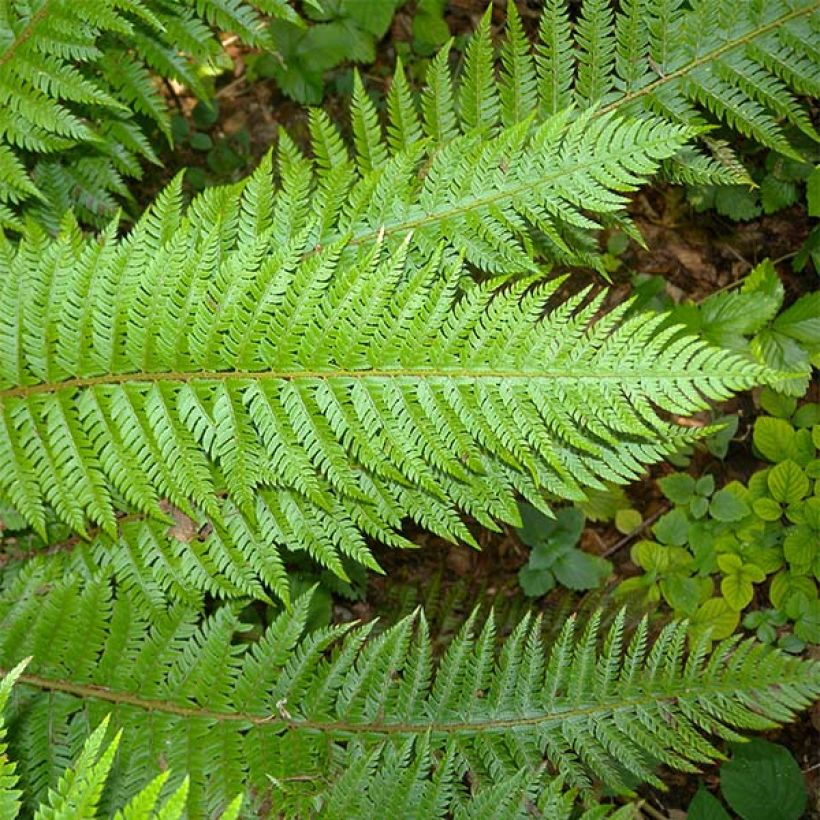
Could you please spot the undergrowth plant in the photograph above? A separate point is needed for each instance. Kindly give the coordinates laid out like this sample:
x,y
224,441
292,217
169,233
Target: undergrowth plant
x,y
80,99
303,362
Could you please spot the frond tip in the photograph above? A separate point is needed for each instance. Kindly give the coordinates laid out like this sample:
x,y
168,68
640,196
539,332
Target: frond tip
x,y
289,714
277,394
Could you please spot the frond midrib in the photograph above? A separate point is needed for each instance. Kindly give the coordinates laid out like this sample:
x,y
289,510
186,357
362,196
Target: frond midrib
x,y
582,374
26,33
696,689
707,57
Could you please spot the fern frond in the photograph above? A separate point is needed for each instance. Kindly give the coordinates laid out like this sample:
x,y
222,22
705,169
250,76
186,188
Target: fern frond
x,y
285,396
686,63
292,714
72,77
654,61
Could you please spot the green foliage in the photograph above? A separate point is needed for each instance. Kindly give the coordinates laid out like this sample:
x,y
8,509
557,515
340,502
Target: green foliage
x,y
741,70
339,31
779,183
705,806
78,791
430,31
555,556
762,781
745,535
752,319
197,413
78,98
226,373
288,713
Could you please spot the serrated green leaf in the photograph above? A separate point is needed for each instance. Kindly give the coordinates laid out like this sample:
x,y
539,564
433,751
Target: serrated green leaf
x,y
576,569
728,506
679,488
672,528
787,482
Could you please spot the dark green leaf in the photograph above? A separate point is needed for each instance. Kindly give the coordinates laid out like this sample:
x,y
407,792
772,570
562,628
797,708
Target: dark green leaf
x,y
705,806
762,781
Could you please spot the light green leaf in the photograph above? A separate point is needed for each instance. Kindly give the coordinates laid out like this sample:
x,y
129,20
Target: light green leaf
x,y
788,483
774,438
717,616
767,509
627,521
728,506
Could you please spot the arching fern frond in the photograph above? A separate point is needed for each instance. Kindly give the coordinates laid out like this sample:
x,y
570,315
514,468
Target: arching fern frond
x,y
302,398
696,64
288,714
78,83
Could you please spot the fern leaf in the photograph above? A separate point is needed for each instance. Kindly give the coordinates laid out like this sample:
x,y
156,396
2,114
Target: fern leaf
x,y
554,58
64,65
298,718
404,127
478,95
595,38
370,148
438,100
10,795
322,396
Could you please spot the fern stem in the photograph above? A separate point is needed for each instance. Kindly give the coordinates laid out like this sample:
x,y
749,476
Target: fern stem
x,y
698,689
582,375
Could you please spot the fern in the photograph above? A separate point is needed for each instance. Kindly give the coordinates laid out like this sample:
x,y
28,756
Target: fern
x,y
691,66
359,792
288,714
279,395
78,792
697,65
77,87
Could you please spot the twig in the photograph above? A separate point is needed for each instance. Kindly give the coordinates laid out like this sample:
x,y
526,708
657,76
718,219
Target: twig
x,y
640,528
652,812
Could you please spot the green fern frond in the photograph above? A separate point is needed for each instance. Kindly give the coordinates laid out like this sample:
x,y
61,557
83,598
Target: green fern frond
x,y
79,789
692,65
73,75
286,396
652,60
291,714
